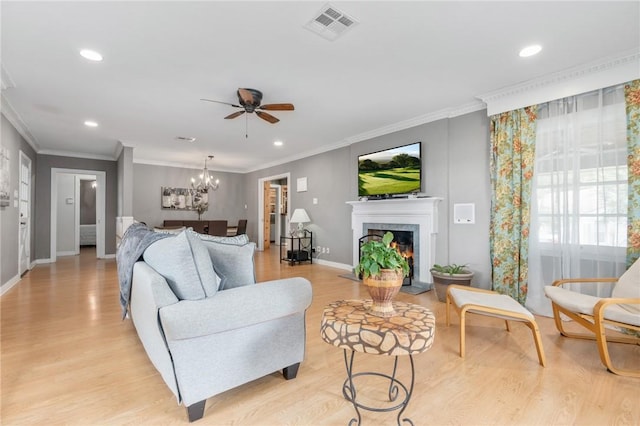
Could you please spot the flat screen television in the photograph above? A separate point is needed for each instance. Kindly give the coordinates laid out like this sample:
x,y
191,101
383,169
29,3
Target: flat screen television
x,y
391,171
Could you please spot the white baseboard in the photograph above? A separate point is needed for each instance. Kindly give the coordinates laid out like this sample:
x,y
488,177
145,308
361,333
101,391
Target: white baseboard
x,y
40,261
333,264
109,256
66,253
32,265
9,284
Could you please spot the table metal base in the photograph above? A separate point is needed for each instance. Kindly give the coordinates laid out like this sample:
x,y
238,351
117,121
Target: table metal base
x,y
396,389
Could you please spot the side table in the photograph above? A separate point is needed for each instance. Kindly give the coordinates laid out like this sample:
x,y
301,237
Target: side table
x,y
346,324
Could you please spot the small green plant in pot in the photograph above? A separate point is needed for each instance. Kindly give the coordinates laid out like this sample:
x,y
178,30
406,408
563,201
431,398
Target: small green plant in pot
x,y
383,269
445,275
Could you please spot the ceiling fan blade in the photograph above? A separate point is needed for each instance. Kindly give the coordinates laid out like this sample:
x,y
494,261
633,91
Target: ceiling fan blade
x,y
246,96
268,117
220,102
234,115
277,107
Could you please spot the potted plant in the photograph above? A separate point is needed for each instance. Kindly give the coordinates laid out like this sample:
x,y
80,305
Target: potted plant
x,y
445,275
383,269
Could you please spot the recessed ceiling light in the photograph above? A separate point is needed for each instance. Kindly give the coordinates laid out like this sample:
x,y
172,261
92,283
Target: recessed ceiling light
x,y
90,123
530,50
91,55
278,143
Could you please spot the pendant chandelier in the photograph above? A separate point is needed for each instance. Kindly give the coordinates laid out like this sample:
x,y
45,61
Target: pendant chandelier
x,y
206,180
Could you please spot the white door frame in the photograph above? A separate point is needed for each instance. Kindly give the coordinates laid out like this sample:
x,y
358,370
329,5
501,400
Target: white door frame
x,y
261,202
101,179
276,223
24,160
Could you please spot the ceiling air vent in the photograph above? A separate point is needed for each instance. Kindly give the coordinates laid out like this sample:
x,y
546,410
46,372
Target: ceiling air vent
x,y
330,23
185,139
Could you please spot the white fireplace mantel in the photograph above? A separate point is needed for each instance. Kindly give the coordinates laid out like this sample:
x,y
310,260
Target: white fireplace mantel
x,y
422,212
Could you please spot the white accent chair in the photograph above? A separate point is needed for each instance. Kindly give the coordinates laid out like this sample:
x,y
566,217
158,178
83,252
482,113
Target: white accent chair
x,y
621,310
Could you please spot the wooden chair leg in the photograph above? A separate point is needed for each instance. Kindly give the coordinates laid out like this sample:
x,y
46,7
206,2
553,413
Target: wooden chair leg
x,y
506,323
463,312
448,308
603,350
538,341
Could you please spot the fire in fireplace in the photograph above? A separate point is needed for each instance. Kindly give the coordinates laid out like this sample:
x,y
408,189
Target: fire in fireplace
x,y
402,241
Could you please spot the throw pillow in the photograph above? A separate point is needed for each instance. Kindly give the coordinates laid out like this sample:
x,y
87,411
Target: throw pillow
x,y
185,263
169,229
237,240
232,263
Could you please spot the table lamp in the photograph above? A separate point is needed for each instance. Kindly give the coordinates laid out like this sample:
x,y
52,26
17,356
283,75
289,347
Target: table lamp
x,y
300,217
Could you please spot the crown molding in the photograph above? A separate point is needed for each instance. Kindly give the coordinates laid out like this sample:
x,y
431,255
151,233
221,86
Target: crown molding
x,y
18,123
594,75
185,165
417,121
5,79
413,122
76,154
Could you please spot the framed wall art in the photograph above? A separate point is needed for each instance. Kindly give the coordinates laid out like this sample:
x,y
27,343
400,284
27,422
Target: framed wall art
x,y
5,178
184,199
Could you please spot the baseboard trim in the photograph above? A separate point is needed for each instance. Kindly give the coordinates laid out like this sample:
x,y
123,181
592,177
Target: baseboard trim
x,y
109,256
41,261
9,284
66,253
336,265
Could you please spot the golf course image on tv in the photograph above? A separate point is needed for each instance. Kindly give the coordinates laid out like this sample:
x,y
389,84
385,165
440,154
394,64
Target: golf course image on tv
x,y
392,171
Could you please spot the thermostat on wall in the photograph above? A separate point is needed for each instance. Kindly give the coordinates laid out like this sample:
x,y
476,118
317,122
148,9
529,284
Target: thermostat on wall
x,y
464,213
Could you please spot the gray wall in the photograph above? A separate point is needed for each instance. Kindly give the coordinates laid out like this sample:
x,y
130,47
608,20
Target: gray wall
x,y
14,142
227,202
469,182
327,180
455,167
43,196
125,182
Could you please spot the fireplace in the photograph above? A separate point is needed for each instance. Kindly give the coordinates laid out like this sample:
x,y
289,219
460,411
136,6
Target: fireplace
x,y
419,216
402,241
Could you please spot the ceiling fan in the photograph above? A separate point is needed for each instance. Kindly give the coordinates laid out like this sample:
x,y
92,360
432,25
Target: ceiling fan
x,y
249,100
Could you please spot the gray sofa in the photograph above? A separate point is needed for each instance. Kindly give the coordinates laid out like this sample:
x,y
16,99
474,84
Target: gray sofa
x,y
206,325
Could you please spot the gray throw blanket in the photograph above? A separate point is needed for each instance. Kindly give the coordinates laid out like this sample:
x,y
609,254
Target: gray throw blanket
x,y
134,242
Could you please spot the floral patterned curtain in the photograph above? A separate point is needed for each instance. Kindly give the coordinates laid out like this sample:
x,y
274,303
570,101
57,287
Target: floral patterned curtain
x,y
512,158
632,101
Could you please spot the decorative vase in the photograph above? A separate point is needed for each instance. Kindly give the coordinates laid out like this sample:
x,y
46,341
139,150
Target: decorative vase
x,y
382,289
442,281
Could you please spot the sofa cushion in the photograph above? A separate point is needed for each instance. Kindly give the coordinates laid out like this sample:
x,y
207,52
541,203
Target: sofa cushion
x,y
169,229
238,240
184,262
232,263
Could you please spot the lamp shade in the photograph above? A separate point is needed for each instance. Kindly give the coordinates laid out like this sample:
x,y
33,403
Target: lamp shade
x,y
300,216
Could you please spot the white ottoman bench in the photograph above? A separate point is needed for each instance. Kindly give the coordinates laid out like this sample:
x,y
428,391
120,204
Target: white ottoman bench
x,y
486,302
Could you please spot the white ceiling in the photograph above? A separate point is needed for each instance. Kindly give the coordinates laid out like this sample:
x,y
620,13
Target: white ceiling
x,y
404,60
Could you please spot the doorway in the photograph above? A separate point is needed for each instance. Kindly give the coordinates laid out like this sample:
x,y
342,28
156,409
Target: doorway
x,y
64,201
280,207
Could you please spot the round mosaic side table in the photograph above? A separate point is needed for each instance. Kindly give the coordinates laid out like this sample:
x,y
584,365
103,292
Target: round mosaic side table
x,y
347,325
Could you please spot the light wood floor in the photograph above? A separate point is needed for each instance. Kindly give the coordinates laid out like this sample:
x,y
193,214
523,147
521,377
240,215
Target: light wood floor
x,y
67,358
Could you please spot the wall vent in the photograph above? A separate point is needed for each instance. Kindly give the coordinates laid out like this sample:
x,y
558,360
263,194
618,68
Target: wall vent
x,y
330,23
